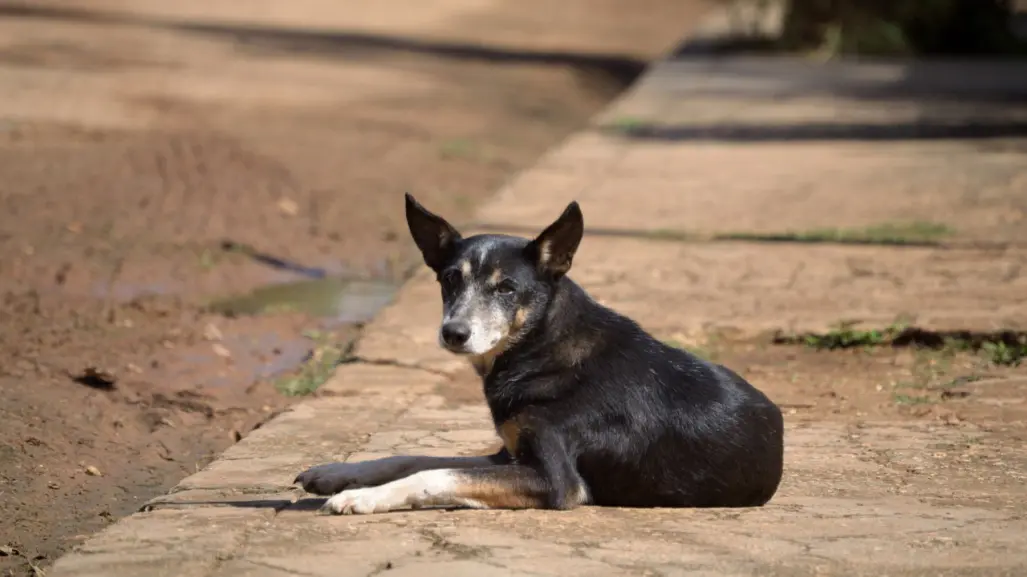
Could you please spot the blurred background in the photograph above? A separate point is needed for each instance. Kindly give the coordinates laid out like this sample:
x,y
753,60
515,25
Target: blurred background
x,y
201,200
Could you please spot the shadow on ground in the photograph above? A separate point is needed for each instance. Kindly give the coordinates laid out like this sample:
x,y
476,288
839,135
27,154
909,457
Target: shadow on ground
x,y
824,132
264,39
305,504
874,100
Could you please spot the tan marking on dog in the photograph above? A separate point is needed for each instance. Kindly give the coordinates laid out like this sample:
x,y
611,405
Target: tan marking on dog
x,y
574,350
481,365
495,277
520,317
510,432
497,494
465,268
545,251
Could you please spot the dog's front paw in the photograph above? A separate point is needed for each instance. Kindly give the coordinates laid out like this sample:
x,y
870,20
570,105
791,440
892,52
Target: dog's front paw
x,y
331,478
361,502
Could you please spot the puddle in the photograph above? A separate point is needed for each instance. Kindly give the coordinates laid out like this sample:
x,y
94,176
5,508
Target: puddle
x,y
252,347
343,301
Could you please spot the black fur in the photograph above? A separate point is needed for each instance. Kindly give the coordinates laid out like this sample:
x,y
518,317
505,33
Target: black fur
x,y
596,399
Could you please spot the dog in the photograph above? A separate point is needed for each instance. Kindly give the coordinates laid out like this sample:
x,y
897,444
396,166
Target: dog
x,y
590,408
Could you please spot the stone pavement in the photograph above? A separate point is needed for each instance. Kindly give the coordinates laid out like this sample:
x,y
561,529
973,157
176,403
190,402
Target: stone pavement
x,y
704,147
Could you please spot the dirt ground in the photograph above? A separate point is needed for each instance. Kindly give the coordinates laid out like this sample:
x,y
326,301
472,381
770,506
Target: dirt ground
x,y
132,151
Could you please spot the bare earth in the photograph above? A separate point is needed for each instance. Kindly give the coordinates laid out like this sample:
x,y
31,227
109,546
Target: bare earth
x,y
137,136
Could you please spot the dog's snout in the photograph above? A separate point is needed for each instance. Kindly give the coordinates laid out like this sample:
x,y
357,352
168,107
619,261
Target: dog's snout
x,y
455,334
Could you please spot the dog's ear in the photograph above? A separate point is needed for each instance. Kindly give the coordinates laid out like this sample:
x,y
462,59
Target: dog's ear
x,y
434,236
554,249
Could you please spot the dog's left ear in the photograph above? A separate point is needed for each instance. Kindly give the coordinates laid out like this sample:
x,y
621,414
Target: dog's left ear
x,y
554,249
434,236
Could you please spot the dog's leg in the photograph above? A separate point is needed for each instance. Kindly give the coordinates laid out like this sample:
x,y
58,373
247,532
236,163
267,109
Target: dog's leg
x,y
495,487
547,446
567,489
331,478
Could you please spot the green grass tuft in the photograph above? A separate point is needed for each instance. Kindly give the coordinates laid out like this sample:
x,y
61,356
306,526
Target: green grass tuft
x,y
845,336
326,354
888,234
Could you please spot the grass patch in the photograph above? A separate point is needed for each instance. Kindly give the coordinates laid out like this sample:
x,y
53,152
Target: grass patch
x,y
460,148
911,400
917,233
208,260
1001,348
625,125
1003,353
958,382
930,380
845,336
326,354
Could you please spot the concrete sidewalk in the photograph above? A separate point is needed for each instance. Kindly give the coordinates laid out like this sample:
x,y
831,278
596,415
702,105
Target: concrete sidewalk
x,y
664,171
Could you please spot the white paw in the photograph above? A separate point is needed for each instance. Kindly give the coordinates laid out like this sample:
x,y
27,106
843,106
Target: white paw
x,y
362,502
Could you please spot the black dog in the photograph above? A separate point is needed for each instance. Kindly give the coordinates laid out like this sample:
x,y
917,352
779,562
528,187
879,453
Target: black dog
x,y
590,408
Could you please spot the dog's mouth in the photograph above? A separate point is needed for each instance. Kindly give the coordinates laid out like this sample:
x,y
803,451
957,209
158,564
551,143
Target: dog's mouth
x,y
456,349
466,350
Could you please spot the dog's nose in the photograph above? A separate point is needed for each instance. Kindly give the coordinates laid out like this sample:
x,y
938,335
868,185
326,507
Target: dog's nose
x,y
455,334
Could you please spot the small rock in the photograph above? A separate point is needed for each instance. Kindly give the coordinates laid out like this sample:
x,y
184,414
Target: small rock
x,y
53,485
288,207
96,378
91,470
211,332
132,368
221,351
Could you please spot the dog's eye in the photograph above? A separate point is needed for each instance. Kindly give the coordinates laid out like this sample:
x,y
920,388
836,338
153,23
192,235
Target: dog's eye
x,y
449,279
506,287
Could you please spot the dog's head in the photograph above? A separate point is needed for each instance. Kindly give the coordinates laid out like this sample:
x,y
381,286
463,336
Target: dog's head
x,y
494,287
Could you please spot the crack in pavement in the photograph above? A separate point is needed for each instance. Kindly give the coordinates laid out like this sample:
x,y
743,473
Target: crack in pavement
x,y
356,359
662,235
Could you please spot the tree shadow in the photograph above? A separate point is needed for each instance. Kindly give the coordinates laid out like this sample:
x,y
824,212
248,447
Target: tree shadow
x,y
343,44
939,98
821,132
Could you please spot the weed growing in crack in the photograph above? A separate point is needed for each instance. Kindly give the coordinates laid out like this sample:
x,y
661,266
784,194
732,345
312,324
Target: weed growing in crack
x,y
1001,348
1004,354
910,400
845,337
627,125
319,366
888,234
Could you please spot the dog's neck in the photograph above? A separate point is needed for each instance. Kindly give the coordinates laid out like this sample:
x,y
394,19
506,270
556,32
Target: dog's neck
x,y
483,363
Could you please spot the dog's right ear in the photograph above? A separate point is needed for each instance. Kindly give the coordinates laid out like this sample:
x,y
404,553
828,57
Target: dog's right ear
x,y
434,236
